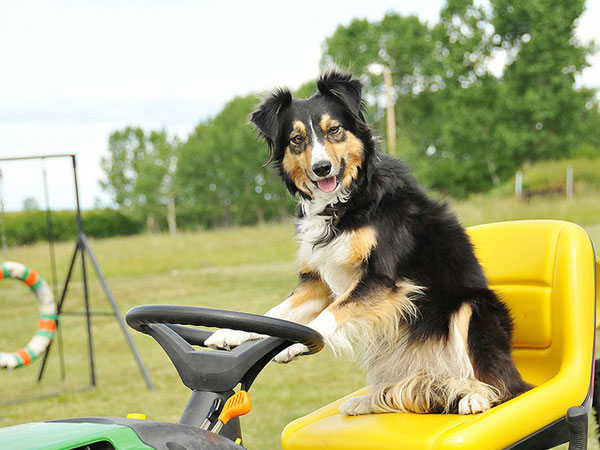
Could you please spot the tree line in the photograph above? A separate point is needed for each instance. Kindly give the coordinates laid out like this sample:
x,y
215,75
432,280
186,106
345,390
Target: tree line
x,y
462,127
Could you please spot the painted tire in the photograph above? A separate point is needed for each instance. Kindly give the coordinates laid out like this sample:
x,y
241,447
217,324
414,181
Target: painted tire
x,y
47,321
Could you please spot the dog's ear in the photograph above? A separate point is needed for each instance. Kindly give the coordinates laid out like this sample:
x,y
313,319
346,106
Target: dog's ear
x,y
346,89
265,117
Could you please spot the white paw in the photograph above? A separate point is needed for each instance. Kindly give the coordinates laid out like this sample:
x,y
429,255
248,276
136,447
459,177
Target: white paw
x,y
356,406
291,353
227,339
473,404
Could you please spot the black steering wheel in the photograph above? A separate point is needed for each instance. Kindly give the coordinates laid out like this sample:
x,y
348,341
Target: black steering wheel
x,y
218,370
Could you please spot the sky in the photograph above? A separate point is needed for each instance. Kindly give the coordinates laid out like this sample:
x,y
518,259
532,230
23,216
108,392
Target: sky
x,y
72,72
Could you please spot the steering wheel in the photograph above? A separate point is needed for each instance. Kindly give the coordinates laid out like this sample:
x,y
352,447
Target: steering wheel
x,y
218,370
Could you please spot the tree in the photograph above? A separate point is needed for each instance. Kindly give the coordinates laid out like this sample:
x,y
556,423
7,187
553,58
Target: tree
x,y
432,71
460,127
139,173
221,176
545,58
306,90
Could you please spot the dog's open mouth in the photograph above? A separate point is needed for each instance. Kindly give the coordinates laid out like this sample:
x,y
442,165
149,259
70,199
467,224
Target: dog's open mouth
x,y
327,184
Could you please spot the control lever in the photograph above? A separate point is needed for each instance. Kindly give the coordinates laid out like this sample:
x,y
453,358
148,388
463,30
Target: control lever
x,y
236,405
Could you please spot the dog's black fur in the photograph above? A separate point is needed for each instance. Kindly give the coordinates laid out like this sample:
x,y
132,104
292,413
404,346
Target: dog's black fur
x,y
418,239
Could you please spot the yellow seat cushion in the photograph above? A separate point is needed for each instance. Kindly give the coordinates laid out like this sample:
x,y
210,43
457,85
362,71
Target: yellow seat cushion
x,y
544,271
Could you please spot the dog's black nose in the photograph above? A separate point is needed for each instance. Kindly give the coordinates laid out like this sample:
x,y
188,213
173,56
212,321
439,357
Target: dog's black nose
x,y
322,168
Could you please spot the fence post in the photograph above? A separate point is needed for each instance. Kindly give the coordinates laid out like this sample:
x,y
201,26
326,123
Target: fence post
x,y
518,184
570,183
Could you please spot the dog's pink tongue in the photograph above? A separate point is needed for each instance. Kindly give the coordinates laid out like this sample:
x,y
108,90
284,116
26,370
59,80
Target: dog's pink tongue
x,y
327,185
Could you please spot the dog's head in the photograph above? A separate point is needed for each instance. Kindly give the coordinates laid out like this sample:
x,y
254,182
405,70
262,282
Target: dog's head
x,y
320,144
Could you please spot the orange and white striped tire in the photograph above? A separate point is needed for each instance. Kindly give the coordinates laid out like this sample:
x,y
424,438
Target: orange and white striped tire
x,y
47,320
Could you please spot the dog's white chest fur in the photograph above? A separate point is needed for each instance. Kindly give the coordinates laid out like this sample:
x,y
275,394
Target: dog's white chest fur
x,y
329,260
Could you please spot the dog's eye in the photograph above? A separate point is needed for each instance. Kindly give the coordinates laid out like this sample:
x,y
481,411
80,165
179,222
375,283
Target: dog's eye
x,y
334,129
297,139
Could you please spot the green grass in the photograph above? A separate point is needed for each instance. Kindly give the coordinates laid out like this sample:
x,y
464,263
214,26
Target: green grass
x,y
194,269
583,210
247,269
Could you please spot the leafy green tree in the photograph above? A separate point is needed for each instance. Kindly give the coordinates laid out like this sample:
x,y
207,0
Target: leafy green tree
x,y
463,156
546,113
221,176
306,90
139,173
403,44
460,127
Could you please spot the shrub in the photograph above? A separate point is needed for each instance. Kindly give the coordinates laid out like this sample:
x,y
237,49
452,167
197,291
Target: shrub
x,y
102,223
27,227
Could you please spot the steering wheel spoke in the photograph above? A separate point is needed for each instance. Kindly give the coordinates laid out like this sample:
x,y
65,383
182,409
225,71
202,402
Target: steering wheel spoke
x,y
218,370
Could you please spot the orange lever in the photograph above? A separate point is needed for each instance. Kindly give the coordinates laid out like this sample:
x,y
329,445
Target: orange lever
x,y
236,405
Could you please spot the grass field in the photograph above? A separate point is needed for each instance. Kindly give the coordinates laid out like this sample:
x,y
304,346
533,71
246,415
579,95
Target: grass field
x,y
248,269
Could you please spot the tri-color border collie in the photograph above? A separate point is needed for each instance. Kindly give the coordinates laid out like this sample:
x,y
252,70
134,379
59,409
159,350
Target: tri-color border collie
x,y
382,266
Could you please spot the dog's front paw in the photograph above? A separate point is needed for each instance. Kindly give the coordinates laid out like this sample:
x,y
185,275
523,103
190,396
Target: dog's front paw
x,y
473,404
356,406
291,353
227,339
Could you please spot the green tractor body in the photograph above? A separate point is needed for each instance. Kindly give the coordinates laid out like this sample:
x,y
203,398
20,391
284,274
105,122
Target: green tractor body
x,y
111,433
62,436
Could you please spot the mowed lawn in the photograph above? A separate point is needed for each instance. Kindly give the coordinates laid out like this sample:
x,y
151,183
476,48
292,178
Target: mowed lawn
x,y
246,269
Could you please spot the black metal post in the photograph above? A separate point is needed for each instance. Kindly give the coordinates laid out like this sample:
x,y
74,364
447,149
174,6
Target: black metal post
x,y
80,244
59,309
86,247
88,317
50,228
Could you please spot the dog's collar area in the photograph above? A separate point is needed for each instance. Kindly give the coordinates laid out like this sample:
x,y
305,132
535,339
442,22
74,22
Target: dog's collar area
x,y
328,211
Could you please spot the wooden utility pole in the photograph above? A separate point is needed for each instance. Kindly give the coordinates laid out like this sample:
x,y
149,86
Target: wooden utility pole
x,y
171,216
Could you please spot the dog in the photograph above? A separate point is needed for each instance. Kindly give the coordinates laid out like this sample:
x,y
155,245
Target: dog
x,y
382,266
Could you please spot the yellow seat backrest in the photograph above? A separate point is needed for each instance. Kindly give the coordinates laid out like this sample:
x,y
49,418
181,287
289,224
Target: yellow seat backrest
x,y
532,265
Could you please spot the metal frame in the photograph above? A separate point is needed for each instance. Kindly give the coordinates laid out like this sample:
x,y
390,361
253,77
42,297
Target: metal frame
x,y
83,248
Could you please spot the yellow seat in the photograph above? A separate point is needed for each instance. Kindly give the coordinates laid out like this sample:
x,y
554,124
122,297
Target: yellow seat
x,y
544,271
